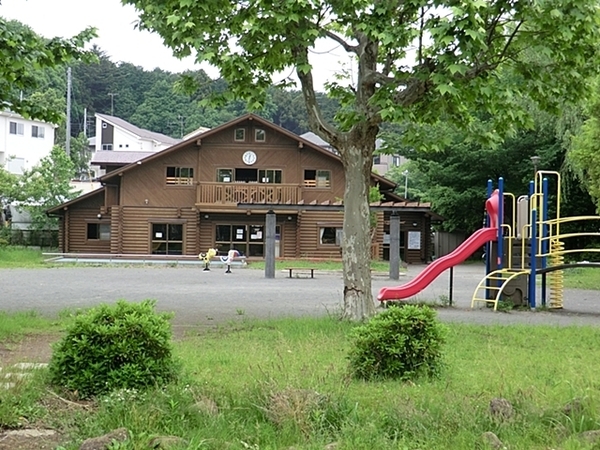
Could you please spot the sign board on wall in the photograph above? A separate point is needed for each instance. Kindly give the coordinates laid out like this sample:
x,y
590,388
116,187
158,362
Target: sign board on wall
x,y
414,240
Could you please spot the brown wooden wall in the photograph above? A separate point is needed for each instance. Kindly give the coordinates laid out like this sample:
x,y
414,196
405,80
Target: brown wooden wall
x,y
135,224
148,182
77,221
308,234
220,151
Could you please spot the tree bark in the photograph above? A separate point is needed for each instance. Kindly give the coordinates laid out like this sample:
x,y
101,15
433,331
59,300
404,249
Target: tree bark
x,y
356,246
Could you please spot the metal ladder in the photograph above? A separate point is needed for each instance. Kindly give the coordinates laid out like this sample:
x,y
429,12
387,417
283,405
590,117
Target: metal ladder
x,y
495,281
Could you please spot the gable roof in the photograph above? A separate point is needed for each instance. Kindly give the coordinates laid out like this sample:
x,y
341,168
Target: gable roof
x,y
140,132
82,197
384,182
116,157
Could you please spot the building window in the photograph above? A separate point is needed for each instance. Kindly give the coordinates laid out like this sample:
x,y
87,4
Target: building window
x,y
224,175
98,231
249,240
331,236
167,239
37,131
240,135
180,175
107,147
259,135
395,161
269,176
317,178
376,159
17,128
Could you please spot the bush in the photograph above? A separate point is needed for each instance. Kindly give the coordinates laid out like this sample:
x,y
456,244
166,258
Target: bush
x,y
127,345
404,342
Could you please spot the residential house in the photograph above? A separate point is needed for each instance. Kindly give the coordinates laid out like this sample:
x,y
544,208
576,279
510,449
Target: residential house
x,y
382,162
23,142
118,142
213,190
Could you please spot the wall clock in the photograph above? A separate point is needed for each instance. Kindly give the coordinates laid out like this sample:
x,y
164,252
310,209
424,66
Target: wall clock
x,y
249,157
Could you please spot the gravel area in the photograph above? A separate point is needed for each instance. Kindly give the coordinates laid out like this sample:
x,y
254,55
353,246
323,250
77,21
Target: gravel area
x,y
201,298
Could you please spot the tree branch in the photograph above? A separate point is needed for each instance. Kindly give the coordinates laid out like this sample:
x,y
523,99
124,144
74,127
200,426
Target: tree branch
x,y
315,116
349,48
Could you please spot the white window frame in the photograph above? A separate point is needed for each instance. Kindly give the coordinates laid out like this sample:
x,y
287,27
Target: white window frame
x,y
38,131
19,128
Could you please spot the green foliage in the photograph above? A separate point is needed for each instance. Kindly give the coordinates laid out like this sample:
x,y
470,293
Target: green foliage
x,y
127,345
22,53
400,343
46,185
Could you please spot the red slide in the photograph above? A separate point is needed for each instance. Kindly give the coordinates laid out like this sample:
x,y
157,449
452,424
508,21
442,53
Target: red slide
x,y
433,270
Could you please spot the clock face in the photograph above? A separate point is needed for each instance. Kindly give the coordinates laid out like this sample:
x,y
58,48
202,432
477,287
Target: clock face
x,y
249,157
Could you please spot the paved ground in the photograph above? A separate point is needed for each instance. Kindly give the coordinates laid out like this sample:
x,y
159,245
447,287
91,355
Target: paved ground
x,y
205,298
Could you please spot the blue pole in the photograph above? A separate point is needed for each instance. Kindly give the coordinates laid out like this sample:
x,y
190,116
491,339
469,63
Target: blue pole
x,y
500,221
532,258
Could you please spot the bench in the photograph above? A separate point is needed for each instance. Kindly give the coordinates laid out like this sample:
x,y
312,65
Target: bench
x,y
301,269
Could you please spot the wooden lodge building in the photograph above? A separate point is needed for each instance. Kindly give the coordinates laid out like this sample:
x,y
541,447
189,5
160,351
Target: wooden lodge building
x,y
186,199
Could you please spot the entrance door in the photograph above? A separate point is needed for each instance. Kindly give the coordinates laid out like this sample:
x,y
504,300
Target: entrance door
x,y
248,239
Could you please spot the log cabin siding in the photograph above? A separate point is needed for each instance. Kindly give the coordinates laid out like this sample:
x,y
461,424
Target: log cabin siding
x,y
289,239
137,227
149,187
309,230
78,220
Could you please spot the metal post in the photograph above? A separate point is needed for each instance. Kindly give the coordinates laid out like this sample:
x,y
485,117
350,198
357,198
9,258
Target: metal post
x,y
545,234
270,225
500,222
394,246
488,245
532,259
68,130
451,286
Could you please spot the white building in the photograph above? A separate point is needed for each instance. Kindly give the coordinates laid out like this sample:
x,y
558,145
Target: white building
x,y
23,142
114,134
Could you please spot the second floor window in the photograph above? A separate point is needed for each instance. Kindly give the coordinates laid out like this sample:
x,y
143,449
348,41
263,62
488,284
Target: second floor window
x,y
376,159
16,128
37,131
106,146
180,175
317,178
239,135
259,135
269,176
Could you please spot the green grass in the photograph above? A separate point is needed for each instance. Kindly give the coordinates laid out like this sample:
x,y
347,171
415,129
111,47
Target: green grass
x,y
20,257
247,370
582,278
14,325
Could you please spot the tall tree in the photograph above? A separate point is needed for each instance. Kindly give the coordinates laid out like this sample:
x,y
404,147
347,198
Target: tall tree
x,y
416,60
22,53
45,185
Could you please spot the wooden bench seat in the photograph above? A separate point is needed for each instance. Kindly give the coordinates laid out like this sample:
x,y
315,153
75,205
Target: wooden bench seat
x,y
291,270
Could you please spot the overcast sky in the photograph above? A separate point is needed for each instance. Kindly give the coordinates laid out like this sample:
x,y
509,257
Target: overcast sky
x,y
121,42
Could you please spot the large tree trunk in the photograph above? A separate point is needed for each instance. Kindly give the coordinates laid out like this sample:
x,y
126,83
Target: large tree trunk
x,y
356,245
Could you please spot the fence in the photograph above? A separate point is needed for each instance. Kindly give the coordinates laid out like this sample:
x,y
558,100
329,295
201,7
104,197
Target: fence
x,y
444,243
33,238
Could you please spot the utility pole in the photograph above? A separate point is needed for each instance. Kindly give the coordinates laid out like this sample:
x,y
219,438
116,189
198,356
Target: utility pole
x,y
85,122
181,120
112,102
68,132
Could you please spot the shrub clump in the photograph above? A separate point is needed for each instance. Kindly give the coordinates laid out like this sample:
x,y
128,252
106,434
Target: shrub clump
x,y
404,342
124,346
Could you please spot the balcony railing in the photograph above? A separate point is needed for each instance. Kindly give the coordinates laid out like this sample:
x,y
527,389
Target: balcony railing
x,y
233,193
